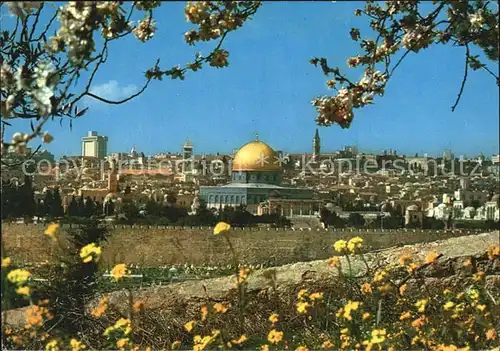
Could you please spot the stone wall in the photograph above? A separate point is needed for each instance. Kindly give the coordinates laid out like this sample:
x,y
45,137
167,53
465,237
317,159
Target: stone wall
x,y
161,246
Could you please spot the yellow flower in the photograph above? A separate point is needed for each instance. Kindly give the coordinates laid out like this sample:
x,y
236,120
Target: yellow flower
x,y
244,273
340,245
404,316
491,334
23,290
481,307
218,307
421,304
366,288
431,257
404,259
365,316
379,276
301,348
355,243
204,312
221,227
402,289
412,267
90,252
273,318
334,261
264,347
493,251
175,345
302,307
240,340
349,307
316,296
34,316
449,305
275,336
121,343
446,291
302,293
378,336
76,345
119,271
138,306
467,263
419,322
327,345
478,276
52,230
123,324
18,276
6,262
101,307
474,294
52,346
189,326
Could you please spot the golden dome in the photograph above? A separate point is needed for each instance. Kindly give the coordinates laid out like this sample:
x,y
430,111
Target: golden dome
x,y
256,156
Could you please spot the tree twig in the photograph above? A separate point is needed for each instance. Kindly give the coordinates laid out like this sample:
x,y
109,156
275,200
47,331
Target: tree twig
x,y
466,70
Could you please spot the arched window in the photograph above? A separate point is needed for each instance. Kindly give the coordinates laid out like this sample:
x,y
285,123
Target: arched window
x,y
211,199
216,198
237,199
232,199
227,199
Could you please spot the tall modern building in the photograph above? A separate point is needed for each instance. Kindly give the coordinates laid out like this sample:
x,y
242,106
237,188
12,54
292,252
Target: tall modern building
x,y
448,155
94,145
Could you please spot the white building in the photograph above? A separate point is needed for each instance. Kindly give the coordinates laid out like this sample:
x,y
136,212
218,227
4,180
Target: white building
x,y
94,145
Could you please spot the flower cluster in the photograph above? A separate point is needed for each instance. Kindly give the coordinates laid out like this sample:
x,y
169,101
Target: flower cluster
x,y
404,25
200,343
146,29
215,18
90,253
119,271
119,333
352,246
20,277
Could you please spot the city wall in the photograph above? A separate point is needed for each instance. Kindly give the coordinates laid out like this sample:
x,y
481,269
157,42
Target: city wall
x,y
163,246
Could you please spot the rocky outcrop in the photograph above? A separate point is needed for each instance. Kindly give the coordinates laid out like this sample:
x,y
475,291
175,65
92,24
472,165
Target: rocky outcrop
x,y
454,252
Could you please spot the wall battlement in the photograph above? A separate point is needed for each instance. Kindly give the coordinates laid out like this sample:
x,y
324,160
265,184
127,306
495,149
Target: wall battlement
x,y
32,226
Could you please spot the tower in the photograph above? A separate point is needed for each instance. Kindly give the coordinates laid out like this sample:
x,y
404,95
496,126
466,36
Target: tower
x,y
316,145
94,145
112,178
187,154
187,150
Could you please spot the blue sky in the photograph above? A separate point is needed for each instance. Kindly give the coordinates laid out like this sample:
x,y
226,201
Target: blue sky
x,y
269,84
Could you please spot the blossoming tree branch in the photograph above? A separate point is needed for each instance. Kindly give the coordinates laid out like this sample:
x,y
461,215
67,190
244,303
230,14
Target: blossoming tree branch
x,y
402,28
42,62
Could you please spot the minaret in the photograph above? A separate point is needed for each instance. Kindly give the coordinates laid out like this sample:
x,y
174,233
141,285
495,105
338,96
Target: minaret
x,y
187,154
316,145
112,178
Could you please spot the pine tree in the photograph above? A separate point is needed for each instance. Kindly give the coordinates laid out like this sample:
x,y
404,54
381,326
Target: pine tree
x,y
72,208
47,204
81,207
27,198
56,210
89,207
